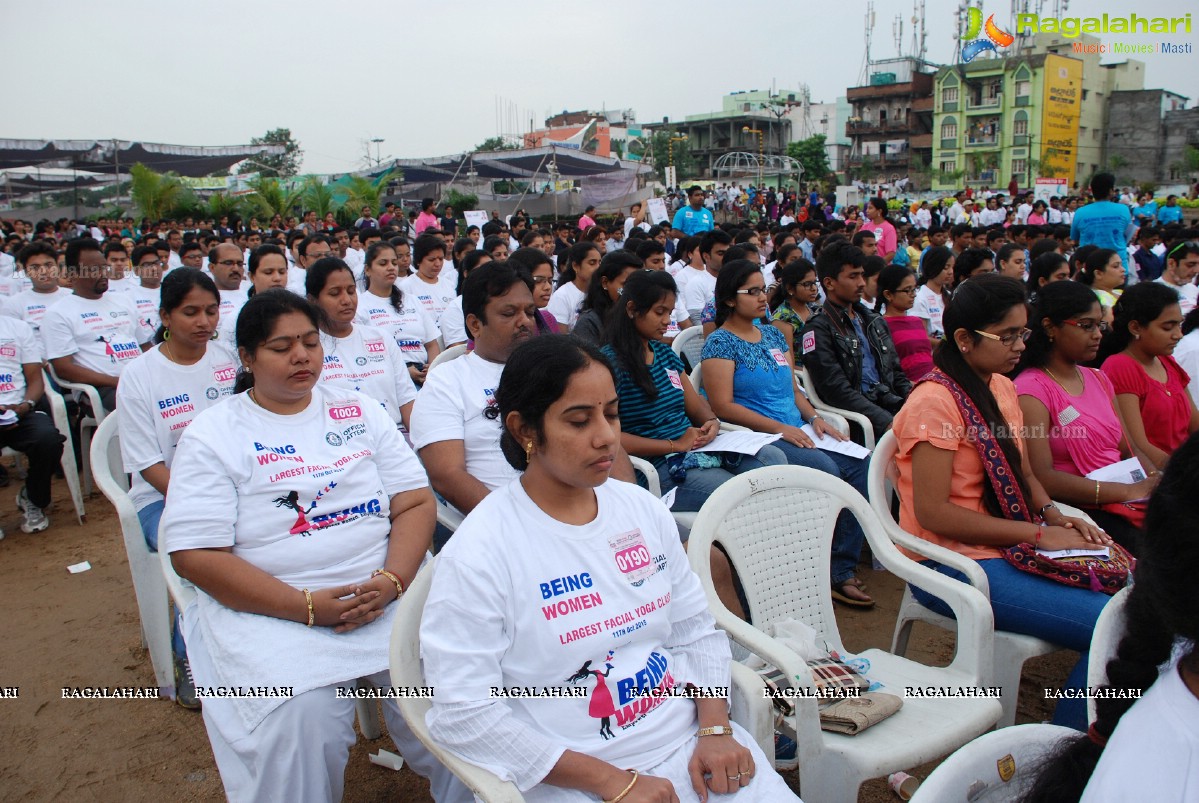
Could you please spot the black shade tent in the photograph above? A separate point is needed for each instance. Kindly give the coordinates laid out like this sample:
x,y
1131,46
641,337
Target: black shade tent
x,y
109,155
567,163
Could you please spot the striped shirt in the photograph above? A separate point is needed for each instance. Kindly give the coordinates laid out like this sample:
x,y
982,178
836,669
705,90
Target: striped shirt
x,y
660,418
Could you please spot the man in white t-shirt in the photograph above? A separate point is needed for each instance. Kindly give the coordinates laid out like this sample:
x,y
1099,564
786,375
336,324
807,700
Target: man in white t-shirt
x,y
701,288
21,427
40,263
147,294
227,273
174,243
90,337
310,249
1182,265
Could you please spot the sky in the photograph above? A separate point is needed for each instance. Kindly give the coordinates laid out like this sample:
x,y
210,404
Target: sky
x,y
430,78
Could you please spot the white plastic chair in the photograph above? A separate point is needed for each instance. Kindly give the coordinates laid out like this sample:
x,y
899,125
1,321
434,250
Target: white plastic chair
x,y
58,413
1105,638
749,708
689,344
776,524
809,388
452,353
87,425
1011,650
697,382
149,585
974,772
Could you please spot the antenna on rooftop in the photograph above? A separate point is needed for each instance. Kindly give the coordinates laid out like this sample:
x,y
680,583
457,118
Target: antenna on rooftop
x,y
897,34
918,47
865,76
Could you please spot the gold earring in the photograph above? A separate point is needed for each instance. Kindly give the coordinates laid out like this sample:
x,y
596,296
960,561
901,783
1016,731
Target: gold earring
x,y
529,452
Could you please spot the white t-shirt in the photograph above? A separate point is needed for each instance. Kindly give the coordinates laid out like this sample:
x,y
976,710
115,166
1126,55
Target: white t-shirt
x,y
356,260
14,283
521,599
18,347
158,399
929,306
432,298
701,289
1186,354
565,304
305,498
453,323
231,303
296,276
30,306
411,328
1154,752
123,285
147,300
1188,294
103,334
369,362
450,407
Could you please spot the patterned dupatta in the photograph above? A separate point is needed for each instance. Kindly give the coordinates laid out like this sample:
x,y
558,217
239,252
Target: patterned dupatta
x,y
995,463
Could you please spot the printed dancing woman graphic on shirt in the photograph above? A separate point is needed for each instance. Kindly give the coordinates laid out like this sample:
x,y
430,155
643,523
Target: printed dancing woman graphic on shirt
x,y
601,707
108,350
292,500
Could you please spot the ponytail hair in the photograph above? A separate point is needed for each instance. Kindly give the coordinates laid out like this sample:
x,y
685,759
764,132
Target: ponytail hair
x,y
395,295
1144,303
577,253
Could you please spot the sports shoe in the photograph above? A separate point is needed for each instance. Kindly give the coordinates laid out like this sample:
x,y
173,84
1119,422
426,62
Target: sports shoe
x,y
786,752
185,687
35,519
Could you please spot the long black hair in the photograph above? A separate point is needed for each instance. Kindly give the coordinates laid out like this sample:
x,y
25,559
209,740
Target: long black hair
x,y
981,302
642,291
1043,267
257,320
175,287
732,276
889,279
395,296
1096,261
317,277
610,269
535,376
1144,303
792,274
469,263
577,253
1162,608
1057,301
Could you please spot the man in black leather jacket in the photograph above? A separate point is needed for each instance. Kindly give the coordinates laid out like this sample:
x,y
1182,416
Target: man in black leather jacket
x,y
848,351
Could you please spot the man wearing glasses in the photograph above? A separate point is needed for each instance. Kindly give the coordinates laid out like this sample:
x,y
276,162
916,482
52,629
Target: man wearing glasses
x,y
225,262
311,248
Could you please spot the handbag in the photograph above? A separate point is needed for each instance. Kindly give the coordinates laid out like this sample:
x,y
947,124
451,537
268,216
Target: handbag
x,y
1094,572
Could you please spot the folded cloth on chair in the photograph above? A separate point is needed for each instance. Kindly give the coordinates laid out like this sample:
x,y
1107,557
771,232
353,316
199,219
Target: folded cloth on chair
x,y
856,714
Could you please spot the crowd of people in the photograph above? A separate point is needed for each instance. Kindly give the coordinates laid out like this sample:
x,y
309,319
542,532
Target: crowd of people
x,y
284,371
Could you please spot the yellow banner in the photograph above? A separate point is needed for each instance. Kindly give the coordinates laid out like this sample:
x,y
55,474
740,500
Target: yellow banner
x,y
1059,116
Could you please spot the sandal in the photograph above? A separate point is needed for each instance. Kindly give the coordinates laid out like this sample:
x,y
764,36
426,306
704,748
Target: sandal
x,y
856,581
849,593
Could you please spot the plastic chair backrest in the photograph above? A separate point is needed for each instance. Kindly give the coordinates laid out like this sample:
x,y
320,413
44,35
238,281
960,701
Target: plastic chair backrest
x,y
997,766
689,344
452,353
1105,638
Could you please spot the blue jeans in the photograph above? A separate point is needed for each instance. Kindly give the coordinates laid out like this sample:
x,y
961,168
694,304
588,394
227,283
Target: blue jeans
x,y
848,535
1034,606
148,517
700,483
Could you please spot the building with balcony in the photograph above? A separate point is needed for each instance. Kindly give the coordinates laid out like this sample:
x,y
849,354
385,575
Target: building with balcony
x,y
710,136
891,120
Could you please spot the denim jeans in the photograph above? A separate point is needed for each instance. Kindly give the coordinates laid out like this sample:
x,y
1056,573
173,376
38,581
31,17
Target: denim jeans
x,y
148,517
848,536
700,483
1035,606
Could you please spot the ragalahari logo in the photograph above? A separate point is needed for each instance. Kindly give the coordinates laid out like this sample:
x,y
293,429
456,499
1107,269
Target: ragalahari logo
x,y
995,39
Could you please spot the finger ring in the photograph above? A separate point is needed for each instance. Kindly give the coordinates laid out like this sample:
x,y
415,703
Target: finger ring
x,y
736,777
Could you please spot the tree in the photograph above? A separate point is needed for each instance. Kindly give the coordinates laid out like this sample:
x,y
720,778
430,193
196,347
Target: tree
x,y
154,193
284,165
663,150
461,202
495,144
271,197
317,197
812,154
361,191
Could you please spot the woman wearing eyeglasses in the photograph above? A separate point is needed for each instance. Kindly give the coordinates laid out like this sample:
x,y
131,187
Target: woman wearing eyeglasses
x,y
896,296
794,301
967,408
1072,423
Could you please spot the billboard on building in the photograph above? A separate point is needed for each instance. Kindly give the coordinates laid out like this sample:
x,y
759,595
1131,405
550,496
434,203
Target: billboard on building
x,y
1059,116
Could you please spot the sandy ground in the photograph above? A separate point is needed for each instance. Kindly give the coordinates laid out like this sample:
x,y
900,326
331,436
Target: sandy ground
x,y
62,629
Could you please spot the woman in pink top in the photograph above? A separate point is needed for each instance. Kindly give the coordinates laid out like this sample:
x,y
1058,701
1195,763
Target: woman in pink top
x,y
1151,388
896,295
884,232
427,219
1071,423
965,409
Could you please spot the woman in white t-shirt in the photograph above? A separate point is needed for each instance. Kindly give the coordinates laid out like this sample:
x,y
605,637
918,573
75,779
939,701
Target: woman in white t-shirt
x,y
384,305
159,395
1144,742
936,277
357,356
301,516
567,579
426,287
574,277
268,270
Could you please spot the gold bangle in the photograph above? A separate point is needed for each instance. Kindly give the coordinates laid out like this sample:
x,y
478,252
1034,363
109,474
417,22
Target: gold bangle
x,y
1096,493
671,447
715,730
392,578
625,792
311,613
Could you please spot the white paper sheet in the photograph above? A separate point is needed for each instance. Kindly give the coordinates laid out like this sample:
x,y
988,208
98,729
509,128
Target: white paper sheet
x,y
1126,471
739,442
831,444
668,498
76,568
1057,554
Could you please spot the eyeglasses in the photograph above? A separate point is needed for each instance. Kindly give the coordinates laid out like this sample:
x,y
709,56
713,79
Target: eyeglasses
x,y
229,263
809,285
541,280
752,291
1088,325
155,264
909,290
1007,340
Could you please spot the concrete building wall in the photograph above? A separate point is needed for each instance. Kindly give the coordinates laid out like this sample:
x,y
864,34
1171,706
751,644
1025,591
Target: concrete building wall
x,y
1135,135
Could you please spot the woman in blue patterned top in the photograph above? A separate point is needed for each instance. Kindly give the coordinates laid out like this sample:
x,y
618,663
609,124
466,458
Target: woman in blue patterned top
x,y
662,418
749,379
794,300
